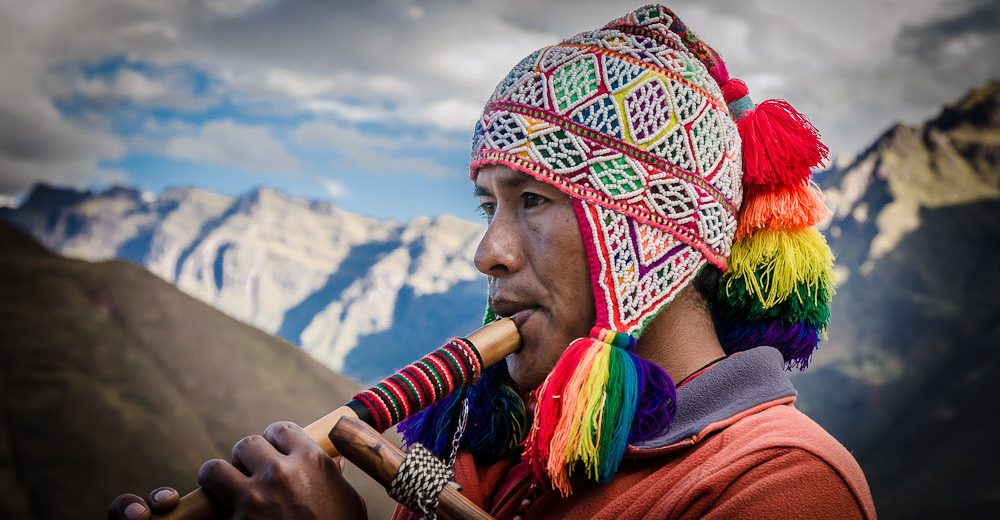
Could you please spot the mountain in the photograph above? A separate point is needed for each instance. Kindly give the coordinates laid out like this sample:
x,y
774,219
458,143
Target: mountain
x,y
361,295
112,380
905,379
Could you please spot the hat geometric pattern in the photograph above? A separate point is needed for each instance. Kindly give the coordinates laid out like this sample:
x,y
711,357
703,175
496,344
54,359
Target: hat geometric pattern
x,y
629,122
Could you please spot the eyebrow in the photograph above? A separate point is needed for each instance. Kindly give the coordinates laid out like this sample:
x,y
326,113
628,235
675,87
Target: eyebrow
x,y
512,181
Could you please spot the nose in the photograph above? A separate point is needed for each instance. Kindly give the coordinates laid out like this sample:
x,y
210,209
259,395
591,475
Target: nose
x,y
499,253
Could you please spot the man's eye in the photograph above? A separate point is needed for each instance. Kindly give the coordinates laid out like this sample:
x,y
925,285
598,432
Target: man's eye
x,y
532,199
487,209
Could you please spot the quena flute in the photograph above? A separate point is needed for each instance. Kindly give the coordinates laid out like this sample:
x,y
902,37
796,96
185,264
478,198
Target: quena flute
x,y
459,362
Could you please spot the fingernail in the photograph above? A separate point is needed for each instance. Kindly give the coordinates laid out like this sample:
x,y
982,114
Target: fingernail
x,y
162,495
134,510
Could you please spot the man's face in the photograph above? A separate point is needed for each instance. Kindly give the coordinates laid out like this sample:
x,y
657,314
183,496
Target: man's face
x,y
533,254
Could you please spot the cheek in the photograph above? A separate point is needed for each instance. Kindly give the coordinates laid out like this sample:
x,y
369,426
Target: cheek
x,y
567,276
558,261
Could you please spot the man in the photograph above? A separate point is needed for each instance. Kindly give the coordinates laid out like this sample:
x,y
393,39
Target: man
x,y
646,224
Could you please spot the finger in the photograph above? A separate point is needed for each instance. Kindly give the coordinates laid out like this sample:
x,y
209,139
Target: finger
x,y
339,459
163,499
289,437
253,453
128,507
222,480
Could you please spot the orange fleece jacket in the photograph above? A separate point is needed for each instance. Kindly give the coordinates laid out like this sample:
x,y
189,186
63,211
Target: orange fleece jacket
x,y
768,460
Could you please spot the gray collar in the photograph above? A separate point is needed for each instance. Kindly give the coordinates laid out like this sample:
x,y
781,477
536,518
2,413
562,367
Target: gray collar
x,y
731,386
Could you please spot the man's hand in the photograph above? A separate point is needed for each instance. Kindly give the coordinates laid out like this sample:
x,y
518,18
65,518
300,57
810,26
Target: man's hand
x,y
133,507
282,474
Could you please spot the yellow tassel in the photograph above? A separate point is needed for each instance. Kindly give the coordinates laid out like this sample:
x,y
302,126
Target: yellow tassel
x,y
590,413
771,262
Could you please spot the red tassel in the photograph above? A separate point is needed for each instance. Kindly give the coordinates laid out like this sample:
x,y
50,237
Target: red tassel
x,y
780,145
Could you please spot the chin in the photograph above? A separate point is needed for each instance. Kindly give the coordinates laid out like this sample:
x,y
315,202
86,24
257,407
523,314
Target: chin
x,y
529,366
523,377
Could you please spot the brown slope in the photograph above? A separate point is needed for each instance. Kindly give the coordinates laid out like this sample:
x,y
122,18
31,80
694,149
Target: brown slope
x,y
113,380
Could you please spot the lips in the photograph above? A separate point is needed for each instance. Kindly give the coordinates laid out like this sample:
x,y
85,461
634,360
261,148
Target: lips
x,y
516,310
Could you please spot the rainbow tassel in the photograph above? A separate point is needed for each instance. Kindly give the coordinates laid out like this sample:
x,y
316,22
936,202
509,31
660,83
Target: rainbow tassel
x,y
795,341
805,305
777,287
587,406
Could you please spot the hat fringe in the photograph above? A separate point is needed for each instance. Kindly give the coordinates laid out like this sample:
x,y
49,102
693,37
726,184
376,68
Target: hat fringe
x,y
771,263
777,286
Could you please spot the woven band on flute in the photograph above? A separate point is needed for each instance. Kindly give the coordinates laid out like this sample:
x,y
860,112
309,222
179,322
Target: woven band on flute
x,y
419,481
419,384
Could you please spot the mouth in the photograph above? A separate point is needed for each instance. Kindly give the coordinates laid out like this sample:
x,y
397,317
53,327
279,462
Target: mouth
x,y
516,311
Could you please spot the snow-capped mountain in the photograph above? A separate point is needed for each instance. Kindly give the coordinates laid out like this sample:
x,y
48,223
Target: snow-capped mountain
x,y
359,294
905,380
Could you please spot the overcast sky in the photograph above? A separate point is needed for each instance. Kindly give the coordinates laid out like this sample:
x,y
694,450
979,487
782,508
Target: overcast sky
x,y
371,103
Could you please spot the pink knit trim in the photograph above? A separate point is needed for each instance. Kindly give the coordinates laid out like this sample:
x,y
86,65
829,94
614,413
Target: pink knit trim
x,y
593,265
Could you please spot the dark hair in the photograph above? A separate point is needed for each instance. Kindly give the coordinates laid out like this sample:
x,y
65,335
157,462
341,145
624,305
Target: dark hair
x,y
706,282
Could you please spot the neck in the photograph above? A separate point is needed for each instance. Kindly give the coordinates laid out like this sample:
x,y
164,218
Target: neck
x,y
681,338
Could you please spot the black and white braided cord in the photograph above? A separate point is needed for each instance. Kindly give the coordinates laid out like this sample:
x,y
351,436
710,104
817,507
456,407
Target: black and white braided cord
x,y
420,480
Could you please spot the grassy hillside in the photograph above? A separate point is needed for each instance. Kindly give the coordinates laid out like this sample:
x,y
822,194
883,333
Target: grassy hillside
x,y
112,380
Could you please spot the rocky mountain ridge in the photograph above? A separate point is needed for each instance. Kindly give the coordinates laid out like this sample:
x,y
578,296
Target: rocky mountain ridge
x,y
903,378
314,274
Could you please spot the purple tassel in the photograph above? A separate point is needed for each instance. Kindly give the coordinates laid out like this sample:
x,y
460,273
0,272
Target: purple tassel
x,y
796,342
434,426
497,421
657,404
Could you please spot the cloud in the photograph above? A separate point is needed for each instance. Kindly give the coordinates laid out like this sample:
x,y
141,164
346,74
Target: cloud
x,y
227,143
237,8
379,153
303,85
944,56
854,67
322,134
38,145
334,189
131,86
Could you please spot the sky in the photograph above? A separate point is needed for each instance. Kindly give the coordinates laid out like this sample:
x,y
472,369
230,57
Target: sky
x,y
371,104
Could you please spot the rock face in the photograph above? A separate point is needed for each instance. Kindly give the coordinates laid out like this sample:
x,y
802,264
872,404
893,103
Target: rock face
x,y
904,379
320,277
112,380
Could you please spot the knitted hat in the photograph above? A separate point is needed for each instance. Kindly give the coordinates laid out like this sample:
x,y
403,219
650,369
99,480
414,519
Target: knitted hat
x,y
640,123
